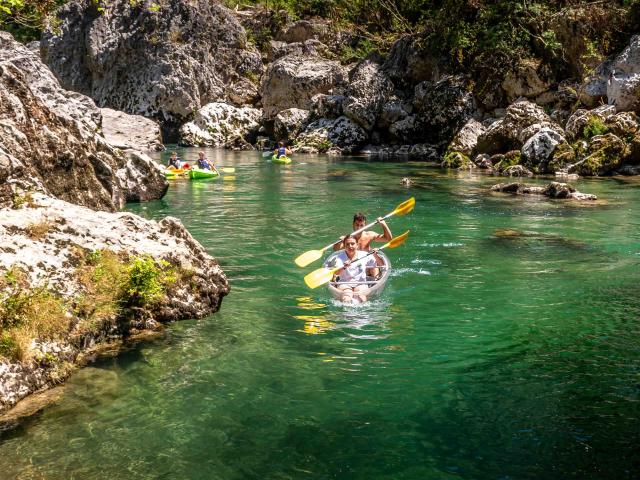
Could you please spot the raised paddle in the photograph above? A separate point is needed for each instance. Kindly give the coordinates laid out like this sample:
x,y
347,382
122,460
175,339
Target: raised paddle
x,y
323,275
312,255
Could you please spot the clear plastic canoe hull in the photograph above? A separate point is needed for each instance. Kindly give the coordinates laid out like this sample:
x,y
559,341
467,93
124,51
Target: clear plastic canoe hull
x,y
375,286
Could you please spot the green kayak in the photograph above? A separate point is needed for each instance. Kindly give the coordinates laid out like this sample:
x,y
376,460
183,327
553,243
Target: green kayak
x,y
282,159
196,173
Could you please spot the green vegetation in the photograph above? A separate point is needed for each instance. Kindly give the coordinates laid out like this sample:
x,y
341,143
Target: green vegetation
x,y
456,160
111,286
595,126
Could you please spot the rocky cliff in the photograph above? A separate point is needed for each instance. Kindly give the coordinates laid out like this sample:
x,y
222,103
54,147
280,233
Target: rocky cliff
x,y
162,60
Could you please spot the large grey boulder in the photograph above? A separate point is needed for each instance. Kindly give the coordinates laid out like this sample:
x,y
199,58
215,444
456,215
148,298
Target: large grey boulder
x,y
623,88
289,122
503,135
466,139
366,94
574,127
410,63
538,150
126,131
323,134
53,260
442,108
524,81
217,123
163,60
51,143
594,89
293,80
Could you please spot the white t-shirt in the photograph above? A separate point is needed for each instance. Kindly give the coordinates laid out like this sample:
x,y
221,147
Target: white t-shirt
x,y
356,273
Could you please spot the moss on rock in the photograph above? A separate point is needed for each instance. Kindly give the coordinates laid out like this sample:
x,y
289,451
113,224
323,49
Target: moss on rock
x,y
456,160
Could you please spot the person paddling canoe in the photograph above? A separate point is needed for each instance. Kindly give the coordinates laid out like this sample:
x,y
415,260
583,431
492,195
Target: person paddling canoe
x,y
282,150
174,161
365,238
204,164
352,278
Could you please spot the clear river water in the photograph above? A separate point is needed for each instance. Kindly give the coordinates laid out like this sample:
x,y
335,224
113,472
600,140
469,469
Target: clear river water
x,y
506,344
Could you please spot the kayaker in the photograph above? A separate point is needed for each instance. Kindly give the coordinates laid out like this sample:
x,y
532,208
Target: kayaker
x,y
365,238
174,161
282,150
204,164
352,278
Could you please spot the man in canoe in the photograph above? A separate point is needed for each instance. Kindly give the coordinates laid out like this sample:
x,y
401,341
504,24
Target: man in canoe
x,y
365,238
204,164
282,150
352,278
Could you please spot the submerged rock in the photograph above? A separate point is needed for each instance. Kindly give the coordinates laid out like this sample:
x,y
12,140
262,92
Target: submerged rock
x,y
553,190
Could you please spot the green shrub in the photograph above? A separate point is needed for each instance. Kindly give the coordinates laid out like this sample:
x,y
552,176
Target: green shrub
x,y
595,126
145,282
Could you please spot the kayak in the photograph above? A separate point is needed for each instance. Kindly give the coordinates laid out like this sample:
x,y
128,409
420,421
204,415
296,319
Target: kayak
x,y
283,159
172,172
197,173
375,285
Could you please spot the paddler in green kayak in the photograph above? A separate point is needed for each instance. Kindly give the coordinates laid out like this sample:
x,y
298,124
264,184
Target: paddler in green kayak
x,y
205,164
282,150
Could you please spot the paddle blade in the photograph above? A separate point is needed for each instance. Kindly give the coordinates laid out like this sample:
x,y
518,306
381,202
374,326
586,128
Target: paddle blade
x,y
227,169
228,177
318,277
397,241
308,257
267,154
405,207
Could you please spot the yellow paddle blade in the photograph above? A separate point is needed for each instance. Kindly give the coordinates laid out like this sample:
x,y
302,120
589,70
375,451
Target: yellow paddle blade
x,y
308,257
228,177
405,207
319,277
227,169
396,241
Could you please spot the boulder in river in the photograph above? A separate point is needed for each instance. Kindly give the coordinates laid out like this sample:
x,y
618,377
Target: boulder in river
x,y
553,190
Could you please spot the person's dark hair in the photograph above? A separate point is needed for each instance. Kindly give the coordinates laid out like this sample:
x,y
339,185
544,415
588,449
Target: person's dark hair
x,y
359,217
281,143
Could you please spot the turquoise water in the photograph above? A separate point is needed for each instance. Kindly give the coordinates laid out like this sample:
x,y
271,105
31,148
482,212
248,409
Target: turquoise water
x,y
489,355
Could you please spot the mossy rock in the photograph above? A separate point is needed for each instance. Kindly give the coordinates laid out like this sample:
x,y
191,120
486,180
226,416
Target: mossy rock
x,y
456,160
632,152
595,126
563,156
507,160
606,154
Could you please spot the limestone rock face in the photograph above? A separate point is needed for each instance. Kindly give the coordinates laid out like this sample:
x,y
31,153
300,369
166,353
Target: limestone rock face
x,y
466,139
605,154
367,92
623,88
594,89
581,117
292,81
126,131
289,122
442,108
525,81
539,149
217,123
52,260
408,64
323,134
503,134
50,141
163,63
